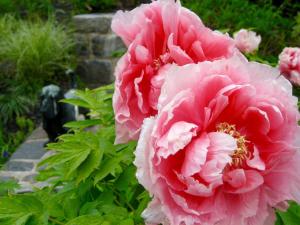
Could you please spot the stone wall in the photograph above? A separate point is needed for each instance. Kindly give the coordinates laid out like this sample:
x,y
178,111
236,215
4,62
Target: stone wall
x,y
95,45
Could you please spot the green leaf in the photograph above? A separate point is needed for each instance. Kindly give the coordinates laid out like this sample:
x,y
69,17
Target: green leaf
x,y
82,124
21,208
279,220
8,186
89,165
23,219
89,208
77,154
291,216
126,179
144,200
108,166
75,101
127,222
87,219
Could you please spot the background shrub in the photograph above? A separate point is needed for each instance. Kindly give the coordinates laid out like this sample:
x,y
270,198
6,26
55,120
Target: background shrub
x,y
263,17
36,50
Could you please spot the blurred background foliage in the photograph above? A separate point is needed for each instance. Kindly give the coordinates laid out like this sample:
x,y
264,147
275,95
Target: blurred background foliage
x,y
276,21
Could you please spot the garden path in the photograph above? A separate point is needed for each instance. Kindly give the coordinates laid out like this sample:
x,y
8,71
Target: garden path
x,y
22,166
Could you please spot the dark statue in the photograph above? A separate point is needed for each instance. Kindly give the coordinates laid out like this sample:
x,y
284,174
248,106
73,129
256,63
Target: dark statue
x,y
55,113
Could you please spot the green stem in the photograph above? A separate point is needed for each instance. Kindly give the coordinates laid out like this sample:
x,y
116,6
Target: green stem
x,y
56,221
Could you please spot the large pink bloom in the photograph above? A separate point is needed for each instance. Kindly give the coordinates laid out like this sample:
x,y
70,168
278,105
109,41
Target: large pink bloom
x,y
222,149
289,64
247,41
156,34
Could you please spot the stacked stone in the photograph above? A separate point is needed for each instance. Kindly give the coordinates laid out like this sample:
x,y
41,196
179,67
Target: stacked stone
x,y
96,45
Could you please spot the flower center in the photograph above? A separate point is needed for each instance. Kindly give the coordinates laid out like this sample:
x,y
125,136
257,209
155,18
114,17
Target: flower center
x,y
162,60
241,153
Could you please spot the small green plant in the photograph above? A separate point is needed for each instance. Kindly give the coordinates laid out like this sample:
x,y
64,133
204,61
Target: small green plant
x,y
296,28
10,140
266,19
15,100
96,178
8,25
27,8
37,50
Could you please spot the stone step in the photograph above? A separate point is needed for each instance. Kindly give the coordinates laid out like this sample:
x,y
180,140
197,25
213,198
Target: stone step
x,y
22,166
96,72
98,45
93,23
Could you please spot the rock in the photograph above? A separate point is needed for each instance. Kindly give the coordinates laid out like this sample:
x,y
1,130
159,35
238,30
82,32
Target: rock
x,y
37,134
6,178
19,166
95,72
106,45
98,43
93,23
30,150
25,187
30,178
82,45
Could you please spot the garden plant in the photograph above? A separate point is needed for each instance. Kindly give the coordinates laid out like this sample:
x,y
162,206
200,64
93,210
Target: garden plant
x,y
193,131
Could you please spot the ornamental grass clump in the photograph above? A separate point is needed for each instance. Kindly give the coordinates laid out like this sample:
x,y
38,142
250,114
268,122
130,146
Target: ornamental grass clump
x,y
36,50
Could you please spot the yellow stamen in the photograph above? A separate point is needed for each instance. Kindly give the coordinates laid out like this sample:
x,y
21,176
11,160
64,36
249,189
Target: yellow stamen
x,y
241,153
157,63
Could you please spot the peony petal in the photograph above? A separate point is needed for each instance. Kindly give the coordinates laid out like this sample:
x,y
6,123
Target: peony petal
x,y
178,55
153,214
257,120
179,135
195,156
256,162
142,55
143,155
236,178
253,181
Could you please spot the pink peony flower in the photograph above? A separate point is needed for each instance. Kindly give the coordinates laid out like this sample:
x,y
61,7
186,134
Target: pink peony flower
x,y
246,41
289,64
156,34
222,148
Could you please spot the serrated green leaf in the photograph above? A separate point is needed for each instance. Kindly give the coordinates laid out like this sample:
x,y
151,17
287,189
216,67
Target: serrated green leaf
x,y
21,208
89,165
82,124
108,166
78,161
75,101
126,179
